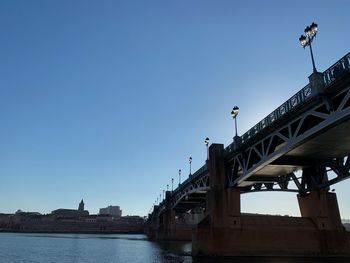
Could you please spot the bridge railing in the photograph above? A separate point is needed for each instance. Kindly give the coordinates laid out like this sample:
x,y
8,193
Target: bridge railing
x,y
191,177
197,174
300,98
336,69
296,100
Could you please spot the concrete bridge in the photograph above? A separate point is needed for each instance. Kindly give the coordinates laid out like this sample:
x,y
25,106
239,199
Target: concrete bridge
x,y
308,133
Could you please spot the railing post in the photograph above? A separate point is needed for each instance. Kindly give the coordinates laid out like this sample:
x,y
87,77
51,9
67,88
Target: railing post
x,y
317,83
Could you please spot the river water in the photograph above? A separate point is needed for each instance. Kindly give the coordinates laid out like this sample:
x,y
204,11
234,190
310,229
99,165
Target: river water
x,y
99,248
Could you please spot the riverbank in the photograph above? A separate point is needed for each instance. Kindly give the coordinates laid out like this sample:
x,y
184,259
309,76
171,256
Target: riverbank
x,y
4,230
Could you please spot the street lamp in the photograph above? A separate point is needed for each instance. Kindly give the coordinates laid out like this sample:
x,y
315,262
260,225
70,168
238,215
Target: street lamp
x,y
206,141
167,187
306,40
163,194
179,177
172,184
234,114
190,161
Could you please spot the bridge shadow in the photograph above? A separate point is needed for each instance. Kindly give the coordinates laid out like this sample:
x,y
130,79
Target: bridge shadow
x,y
175,251
268,260
180,252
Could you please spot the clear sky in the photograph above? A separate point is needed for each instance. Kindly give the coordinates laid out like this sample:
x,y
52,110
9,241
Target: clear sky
x,y
106,100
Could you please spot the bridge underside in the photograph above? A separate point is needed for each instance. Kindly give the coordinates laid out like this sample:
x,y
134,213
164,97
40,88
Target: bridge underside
x,y
227,232
318,151
191,201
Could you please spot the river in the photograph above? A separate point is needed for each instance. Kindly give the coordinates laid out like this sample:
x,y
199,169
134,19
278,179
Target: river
x,y
99,248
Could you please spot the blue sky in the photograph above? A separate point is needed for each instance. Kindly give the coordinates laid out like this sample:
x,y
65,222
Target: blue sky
x,y
106,100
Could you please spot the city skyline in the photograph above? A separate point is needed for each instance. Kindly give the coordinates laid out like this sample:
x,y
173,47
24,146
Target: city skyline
x,y
107,101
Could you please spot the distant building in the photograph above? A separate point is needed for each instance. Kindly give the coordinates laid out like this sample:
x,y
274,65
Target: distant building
x,y
111,210
71,213
81,205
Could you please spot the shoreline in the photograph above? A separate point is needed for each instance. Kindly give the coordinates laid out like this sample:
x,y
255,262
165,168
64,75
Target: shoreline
x,y
69,232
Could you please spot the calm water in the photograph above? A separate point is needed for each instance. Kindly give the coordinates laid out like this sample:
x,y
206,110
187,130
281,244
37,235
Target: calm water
x,y
81,248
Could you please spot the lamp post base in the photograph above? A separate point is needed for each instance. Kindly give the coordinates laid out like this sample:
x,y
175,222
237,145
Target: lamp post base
x,y
316,82
237,141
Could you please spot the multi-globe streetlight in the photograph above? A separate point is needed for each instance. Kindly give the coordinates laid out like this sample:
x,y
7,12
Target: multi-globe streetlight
x,y
234,114
306,40
206,142
179,177
190,161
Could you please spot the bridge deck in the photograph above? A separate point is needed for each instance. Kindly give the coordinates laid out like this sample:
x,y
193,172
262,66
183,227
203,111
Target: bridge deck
x,y
313,133
308,130
319,150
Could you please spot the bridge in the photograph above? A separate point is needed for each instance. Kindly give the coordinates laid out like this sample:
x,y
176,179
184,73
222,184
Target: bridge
x,y
308,133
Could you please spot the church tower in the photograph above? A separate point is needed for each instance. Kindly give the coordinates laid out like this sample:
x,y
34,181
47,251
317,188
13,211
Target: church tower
x,y
81,206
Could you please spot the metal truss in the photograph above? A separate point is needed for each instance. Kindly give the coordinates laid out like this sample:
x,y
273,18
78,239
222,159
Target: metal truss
x,y
198,184
337,71
326,114
341,169
270,150
312,178
280,183
301,118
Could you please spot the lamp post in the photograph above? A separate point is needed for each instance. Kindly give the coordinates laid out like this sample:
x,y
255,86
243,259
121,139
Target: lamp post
x,y
172,184
163,194
206,141
234,114
167,187
190,161
236,139
306,40
179,177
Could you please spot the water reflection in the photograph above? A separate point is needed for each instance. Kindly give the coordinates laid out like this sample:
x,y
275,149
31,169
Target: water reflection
x,y
269,260
82,248
174,251
180,252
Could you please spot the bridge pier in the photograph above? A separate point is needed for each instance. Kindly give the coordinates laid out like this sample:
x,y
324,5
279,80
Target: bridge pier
x,y
225,231
321,207
167,228
167,223
152,226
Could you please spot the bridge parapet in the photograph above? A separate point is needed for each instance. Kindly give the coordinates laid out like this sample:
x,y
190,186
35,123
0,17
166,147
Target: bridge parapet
x,y
286,145
336,69
199,181
293,103
191,177
258,142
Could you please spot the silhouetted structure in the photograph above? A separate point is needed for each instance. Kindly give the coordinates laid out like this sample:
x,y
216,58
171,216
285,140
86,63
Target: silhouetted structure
x,y
71,213
71,220
81,206
308,132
